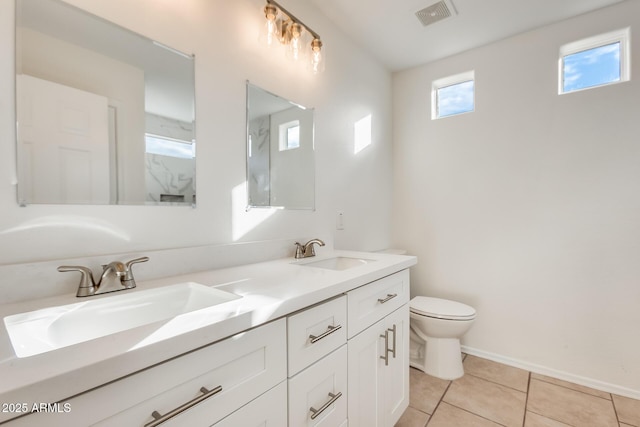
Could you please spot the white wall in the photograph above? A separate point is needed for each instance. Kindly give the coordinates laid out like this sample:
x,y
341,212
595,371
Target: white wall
x,y
528,209
223,36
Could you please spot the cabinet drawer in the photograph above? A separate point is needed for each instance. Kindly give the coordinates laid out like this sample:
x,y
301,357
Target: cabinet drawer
x,y
370,303
320,391
269,410
316,332
245,366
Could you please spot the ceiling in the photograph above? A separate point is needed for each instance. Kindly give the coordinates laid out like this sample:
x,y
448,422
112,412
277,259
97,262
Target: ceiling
x,y
390,30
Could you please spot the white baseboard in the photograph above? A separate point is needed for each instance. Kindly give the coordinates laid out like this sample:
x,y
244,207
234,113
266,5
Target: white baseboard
x,y
561,375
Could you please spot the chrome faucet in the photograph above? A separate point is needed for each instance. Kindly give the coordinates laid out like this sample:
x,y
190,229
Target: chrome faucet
x,y
116,276
110,280
307,250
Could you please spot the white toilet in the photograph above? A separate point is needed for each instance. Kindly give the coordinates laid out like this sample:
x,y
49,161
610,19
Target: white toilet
x,y
436,327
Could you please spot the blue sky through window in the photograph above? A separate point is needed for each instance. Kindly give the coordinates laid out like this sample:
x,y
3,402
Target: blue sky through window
x,y
455,99
592,67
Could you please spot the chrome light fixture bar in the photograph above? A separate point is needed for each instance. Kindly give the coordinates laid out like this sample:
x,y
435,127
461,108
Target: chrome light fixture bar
x,y
284,27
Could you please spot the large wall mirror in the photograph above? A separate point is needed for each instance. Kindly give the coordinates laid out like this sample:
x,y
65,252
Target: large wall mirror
x,y
105,116
280,157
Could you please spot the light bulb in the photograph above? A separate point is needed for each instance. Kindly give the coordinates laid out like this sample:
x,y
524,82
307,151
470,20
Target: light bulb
x,y
317,61
271,32
294,49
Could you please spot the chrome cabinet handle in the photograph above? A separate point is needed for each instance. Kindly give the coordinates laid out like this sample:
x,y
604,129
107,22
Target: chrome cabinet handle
x,y
329,331
389,297
388,350
316,412
159,419
386,347
393,351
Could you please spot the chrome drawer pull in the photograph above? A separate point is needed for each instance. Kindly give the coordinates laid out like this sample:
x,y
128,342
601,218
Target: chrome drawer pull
x,y
316,412
386,347
159,419
389,297
329,331
393,351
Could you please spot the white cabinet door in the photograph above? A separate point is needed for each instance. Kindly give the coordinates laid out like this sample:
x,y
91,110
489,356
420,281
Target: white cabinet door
x,y
378,375
396,382
366,377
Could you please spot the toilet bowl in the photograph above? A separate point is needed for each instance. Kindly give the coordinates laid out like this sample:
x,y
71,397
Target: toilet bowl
x,y
435,329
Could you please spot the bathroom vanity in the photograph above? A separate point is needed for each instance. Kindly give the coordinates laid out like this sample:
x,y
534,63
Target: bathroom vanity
x,y
320,341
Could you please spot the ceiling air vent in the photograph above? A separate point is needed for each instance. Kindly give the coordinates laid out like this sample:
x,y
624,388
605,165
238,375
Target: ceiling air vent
x,y
436,12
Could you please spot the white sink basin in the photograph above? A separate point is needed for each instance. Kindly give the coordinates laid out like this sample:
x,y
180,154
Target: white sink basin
x,y
339,263
52,328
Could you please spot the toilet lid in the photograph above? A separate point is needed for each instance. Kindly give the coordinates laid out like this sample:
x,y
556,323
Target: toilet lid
x,y
441,308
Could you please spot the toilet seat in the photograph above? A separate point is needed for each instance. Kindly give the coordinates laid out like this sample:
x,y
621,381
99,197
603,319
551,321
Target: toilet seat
x,y
441,308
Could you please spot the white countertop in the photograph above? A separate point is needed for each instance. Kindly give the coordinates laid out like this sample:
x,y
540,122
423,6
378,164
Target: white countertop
x,y
269,290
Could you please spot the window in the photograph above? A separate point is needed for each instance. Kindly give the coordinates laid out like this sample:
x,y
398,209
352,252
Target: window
x,y
289,135
169,147
453,95
595,61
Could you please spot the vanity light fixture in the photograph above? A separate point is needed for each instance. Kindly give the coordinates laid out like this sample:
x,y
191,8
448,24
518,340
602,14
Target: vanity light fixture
x,y
285,28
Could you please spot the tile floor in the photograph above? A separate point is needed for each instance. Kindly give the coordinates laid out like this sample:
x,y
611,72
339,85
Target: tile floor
x,y
492,395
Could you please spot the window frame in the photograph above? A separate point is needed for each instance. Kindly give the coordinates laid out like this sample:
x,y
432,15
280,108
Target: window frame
x,y
621,36
284,143
445,82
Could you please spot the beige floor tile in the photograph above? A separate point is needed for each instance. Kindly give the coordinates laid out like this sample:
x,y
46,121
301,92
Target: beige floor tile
x,y
495,402
497,372
570,406
628,410
449,416
412,418
535,420
425,391
572,386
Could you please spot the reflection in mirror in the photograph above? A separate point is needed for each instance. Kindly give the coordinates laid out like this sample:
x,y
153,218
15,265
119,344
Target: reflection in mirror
x,y
105,116
280,158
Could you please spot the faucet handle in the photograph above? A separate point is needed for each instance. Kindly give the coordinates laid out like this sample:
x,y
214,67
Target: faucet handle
x,y
299,251
128,281
135,261
87,285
